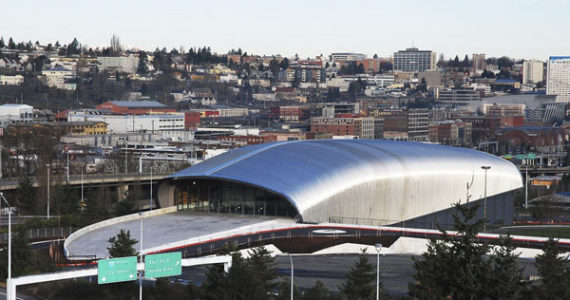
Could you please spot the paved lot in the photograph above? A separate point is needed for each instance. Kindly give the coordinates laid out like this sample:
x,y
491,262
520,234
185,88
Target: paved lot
x,y
160,230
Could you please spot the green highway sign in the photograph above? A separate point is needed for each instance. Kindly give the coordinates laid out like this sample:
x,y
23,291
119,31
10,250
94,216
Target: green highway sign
x,y
162,265
117,269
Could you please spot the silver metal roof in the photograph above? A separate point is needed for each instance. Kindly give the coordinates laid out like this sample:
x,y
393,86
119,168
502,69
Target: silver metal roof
x,y
310,172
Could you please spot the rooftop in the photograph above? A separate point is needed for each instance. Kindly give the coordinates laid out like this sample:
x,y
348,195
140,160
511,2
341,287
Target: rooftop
x,y
144,103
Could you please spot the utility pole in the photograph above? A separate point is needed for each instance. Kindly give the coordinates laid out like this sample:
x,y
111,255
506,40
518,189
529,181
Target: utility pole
x,y
526,186
48,184
67,167
9,290
485,200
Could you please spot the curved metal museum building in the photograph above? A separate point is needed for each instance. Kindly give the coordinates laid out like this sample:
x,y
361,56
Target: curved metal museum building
x,y
374,182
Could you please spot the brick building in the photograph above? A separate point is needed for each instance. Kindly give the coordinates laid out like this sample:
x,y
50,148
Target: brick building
x,y
294,114
530,138
361,127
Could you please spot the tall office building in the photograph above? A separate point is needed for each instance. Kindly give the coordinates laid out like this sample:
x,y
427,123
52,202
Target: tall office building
x,y
478,62
558,78
533,71
414,60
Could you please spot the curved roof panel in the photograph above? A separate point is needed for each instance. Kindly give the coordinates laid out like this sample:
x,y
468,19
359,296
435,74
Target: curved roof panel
x,y
310,172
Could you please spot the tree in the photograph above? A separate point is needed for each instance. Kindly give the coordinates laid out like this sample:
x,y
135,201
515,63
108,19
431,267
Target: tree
x,y
115,47
250,278
317,292
263,267
2,43
441,62
73,47
360,282
454,268
11,44
122,245
24,259
26,197
487,74
284,290
466,64
554,271
142,67
505,271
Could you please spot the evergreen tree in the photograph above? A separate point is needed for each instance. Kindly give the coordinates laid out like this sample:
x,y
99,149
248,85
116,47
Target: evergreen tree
x,y
284,290
250,278
506,277
11,44
2,43
122,245
73,47
554,271
24,259
263,267
26,197
65,200
454,267
317,292
142,67
466,64
361,281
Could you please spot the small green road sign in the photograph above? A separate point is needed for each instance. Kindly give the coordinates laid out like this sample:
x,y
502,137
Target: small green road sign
x,y
162,265
117,269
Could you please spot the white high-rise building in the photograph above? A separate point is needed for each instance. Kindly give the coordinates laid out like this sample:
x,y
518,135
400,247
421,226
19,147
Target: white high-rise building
x,y
533,71
558,77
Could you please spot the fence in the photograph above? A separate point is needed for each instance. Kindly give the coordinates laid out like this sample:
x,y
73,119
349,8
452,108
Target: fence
x,y
42,233
385,222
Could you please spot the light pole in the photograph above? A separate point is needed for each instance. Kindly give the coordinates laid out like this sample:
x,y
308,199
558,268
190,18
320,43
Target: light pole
x,y
378,250
48,184
82,201
291,261
9,289
141,257
526,186
67,166
485,199
150,207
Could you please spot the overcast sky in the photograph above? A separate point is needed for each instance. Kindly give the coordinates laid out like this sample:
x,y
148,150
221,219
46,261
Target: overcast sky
x,y
516,28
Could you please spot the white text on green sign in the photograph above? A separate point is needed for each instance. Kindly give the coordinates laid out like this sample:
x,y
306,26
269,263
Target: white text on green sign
x,y
162,265
117,269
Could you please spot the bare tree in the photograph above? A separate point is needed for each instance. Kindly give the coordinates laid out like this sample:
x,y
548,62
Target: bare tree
x,y
116,45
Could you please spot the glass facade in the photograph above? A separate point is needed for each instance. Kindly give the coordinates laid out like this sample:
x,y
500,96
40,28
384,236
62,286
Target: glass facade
x,y
213,196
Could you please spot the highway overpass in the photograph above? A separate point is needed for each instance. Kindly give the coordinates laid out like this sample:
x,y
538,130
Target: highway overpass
x,y
87,179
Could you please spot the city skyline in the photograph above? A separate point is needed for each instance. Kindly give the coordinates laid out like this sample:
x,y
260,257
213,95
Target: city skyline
x,y
526,29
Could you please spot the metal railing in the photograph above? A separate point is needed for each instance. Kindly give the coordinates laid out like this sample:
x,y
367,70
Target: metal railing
x,y
43,233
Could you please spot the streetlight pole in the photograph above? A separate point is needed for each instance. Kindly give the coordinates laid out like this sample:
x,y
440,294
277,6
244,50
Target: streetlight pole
x,y
48,184
81,185
67,166
485,199
141,257
9,289
292,282
526,186
150,207
378,250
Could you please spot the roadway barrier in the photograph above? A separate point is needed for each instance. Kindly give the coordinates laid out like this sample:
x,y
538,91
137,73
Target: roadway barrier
x,y
43,233
114,221
23,280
